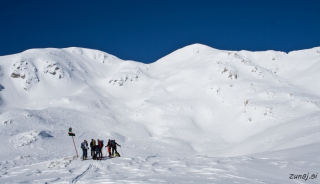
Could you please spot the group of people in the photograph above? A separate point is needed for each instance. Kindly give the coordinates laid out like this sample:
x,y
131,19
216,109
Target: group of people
x,y
96,149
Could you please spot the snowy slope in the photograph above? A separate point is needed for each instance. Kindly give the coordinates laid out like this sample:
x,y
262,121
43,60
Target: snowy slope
x,y
219,105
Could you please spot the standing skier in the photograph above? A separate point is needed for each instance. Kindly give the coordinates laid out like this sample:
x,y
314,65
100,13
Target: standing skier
x,y
109,147
84,147
92,144
101,146
98,149
114,148
87,146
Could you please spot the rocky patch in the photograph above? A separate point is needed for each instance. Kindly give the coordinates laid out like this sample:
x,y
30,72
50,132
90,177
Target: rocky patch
x,y
25,70
54,69
121,80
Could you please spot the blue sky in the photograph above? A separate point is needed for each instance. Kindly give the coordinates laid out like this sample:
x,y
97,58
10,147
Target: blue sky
x,y
146,30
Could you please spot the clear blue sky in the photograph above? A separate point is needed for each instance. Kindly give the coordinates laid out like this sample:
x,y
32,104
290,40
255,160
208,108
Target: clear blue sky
x,y
146,30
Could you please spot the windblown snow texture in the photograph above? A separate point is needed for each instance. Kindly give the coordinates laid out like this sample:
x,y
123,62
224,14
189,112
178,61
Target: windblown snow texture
x,y
198,114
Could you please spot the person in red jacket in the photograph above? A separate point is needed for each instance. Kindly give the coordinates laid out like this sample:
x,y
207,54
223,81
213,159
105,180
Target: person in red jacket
x,y
100,144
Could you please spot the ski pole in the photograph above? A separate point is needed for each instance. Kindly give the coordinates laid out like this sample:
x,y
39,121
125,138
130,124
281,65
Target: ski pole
x,y
121,151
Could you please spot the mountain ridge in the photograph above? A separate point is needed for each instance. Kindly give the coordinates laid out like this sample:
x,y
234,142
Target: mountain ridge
x,y
197,99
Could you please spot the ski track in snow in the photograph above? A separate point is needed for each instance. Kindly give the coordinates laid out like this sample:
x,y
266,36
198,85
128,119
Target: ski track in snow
x,y
76,179
255,169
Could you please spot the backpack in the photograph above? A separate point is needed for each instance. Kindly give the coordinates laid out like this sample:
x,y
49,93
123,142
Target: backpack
x,y
113,142
82,145
100,144
94,142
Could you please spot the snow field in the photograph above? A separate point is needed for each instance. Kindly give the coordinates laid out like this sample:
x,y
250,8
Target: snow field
x,y
154,169
197,115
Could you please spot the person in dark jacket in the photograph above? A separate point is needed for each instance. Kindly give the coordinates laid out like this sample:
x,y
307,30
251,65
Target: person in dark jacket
x,y
92,143
96,152
114,148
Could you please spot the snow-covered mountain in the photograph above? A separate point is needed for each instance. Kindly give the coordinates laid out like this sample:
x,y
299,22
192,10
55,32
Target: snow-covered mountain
x,y
194,101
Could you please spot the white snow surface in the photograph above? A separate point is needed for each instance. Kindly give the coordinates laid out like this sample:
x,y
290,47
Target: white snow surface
x,y
197,115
